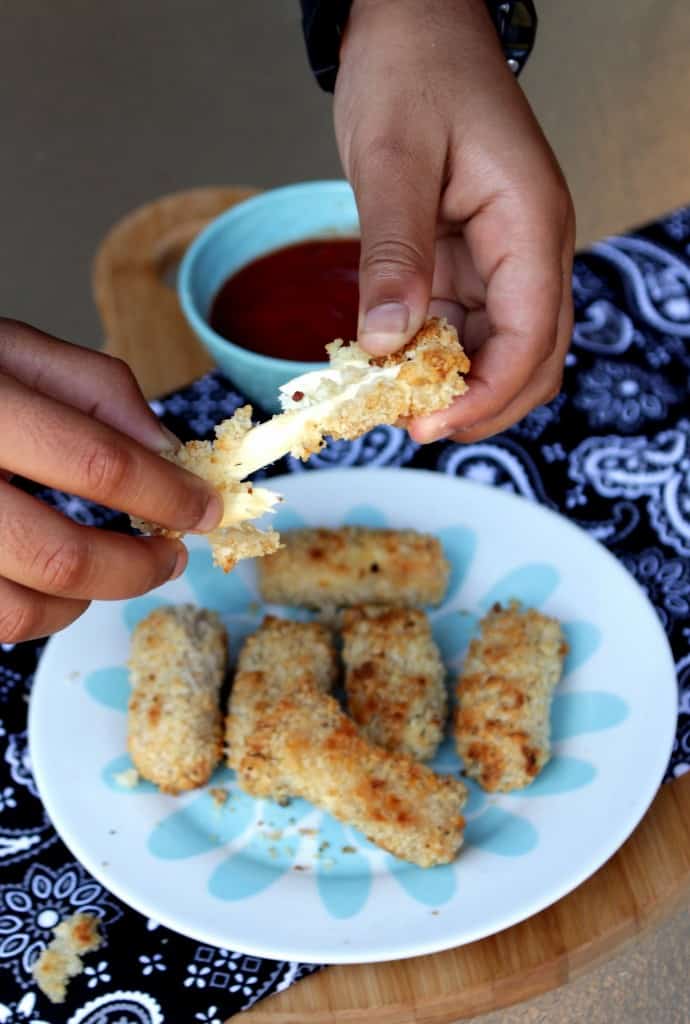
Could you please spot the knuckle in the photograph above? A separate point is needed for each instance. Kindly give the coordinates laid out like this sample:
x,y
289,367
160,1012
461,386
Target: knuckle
x,y
379,155
391,257
18,623
122,372
386,151
105,468
63,567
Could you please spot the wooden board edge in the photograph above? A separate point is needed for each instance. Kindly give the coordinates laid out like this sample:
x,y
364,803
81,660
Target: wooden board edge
x,y
510,990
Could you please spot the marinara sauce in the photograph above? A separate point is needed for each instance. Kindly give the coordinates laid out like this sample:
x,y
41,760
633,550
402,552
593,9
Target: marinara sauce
x,y
293,301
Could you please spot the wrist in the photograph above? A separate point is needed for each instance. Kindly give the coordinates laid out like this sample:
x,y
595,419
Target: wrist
x,y
327,25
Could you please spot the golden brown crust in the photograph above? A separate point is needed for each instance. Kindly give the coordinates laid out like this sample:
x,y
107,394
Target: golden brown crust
x,y
279,656
321,568
504,697
214,461
395,679
177,665
399,804
61,960
432,368
230,545
431,374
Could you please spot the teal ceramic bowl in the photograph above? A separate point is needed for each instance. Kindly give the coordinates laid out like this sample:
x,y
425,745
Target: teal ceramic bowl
x,y
265,222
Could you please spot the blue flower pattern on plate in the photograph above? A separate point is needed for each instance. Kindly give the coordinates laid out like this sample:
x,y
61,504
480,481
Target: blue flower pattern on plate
x,y
264,841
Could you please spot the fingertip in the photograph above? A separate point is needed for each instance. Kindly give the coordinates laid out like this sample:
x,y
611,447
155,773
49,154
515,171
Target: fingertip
x,y
426,429
171,440
385,328
161,440
212,515
181,559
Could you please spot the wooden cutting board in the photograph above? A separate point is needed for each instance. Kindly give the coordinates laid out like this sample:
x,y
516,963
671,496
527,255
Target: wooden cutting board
x,y
641,884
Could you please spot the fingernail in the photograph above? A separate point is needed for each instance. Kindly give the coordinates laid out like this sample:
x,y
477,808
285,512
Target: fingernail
x,y
170,442
431,433
384,327
442,435
213,514
180,562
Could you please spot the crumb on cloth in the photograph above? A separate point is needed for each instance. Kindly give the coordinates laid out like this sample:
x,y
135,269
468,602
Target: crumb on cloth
x,y
61,960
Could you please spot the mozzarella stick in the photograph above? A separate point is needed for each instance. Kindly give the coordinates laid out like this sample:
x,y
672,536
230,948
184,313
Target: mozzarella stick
x,y
177,666
504,697
353,565
280,655
395,679
354,394
396,802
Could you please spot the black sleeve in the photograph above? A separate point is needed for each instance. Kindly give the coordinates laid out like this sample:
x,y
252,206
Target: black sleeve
x,y
323,22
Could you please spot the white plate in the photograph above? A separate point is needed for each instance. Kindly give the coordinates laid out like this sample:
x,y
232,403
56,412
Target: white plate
x,y
227,876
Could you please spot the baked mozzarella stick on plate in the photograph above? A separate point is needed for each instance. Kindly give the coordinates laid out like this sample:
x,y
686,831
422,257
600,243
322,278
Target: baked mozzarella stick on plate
x,y
177,666
274,660
330,569
504,697
395,679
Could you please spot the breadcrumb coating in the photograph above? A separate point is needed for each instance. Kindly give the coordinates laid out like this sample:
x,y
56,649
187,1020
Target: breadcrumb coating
x,y
502,727
177,665
356,394
395,679
324,569
276,658
61,961
319,754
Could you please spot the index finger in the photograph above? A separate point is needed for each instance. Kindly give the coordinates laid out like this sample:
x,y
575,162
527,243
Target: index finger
x,y
98,384
61,447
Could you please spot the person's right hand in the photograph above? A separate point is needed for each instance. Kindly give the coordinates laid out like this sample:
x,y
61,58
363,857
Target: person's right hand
x,y
76,420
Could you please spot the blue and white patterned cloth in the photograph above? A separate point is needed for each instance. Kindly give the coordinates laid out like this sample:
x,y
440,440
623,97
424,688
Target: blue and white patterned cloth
x,y
612,453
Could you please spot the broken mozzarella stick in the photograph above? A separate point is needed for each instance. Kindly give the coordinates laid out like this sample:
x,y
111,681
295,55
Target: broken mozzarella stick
x,y
175,727
320,755
352,395
275,659
502,721
326,569
395,679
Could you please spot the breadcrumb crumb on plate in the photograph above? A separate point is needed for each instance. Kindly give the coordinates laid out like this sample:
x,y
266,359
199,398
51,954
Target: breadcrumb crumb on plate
x,y
317,752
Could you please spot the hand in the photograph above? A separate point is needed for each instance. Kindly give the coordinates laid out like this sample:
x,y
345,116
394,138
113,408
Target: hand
x,y
76,420
463,210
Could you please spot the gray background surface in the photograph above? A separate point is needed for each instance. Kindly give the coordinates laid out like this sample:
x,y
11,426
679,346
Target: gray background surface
x,y
106,106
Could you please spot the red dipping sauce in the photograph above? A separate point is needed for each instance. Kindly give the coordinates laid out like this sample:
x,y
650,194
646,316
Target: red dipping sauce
x,y
291,302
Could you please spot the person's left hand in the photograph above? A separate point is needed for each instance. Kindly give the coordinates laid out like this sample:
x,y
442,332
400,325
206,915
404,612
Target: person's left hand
x,y
464,212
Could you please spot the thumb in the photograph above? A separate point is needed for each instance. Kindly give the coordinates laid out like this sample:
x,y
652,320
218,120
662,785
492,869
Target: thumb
x,y
397,199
